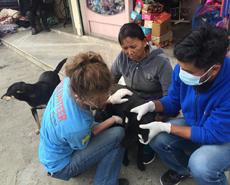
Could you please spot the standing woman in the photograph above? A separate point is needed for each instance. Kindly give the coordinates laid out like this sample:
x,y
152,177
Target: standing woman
x,y
146,69
71,141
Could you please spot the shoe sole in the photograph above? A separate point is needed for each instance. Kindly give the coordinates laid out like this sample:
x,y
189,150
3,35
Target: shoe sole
x,y
173,184
150,161
178,182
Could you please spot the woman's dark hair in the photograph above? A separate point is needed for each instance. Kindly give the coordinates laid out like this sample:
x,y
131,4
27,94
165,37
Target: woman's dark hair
x,y
131,30
205,45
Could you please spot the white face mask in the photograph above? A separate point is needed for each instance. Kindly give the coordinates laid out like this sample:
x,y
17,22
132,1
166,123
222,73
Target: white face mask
x,y
190,79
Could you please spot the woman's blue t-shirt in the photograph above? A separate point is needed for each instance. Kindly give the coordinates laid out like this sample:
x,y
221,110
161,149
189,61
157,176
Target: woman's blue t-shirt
x,y
65,127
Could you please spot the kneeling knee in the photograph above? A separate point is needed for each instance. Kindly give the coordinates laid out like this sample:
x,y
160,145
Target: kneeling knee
x,y
199,168
158,141
29,14
119,131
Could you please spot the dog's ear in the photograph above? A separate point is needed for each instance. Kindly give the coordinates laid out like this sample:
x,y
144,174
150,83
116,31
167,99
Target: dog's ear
x,y
21,90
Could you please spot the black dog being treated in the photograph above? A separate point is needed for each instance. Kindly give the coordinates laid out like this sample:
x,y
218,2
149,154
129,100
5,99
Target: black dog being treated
x,y
132,127
36,95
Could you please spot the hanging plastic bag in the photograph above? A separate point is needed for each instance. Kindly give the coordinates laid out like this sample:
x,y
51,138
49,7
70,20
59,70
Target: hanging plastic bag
x,y
206,14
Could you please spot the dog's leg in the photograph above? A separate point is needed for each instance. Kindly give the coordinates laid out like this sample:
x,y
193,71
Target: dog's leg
x,y
125,159
35,115
140,164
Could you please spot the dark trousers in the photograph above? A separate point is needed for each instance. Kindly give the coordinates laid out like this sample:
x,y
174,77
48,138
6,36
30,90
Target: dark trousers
x,y
31,17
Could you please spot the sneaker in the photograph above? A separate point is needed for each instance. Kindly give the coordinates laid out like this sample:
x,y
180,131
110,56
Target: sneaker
x,y
123,181
34,31
148,158
46,29
171,178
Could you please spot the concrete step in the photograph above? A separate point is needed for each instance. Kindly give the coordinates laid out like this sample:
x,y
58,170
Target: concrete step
x,y
46,50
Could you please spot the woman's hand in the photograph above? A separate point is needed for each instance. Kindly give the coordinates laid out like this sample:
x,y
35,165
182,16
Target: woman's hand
x,y
106,124
118,119
117,97
38,12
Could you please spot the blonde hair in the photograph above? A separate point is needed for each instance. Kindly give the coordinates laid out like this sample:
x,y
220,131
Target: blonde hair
x,y
90,77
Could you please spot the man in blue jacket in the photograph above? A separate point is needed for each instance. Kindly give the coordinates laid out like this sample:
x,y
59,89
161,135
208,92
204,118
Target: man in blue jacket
x,y
201,89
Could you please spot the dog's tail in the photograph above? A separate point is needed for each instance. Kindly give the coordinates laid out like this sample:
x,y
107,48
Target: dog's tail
x,y
59,66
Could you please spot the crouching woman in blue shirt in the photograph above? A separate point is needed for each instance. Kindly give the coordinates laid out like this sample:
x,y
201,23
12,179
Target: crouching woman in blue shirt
x,y
70,140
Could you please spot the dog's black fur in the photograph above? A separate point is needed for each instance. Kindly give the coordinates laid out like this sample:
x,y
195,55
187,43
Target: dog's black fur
x,y
36,95
132,127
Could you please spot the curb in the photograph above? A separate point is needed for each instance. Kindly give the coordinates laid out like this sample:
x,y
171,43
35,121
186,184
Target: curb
x,y
31,58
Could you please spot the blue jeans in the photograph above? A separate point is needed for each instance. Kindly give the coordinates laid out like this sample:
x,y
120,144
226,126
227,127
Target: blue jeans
x,y
206,164
104,148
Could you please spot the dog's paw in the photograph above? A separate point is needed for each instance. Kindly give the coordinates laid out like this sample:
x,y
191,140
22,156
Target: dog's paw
x,y
141,166
37,131
125,162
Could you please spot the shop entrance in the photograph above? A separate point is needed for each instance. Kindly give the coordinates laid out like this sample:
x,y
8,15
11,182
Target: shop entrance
x,y
105,18
62,11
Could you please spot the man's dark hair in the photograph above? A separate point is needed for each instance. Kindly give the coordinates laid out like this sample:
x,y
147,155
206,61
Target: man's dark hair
x,y
206,45
131,30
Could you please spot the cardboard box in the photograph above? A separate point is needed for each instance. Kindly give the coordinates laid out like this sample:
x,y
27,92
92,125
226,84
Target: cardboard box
x,y
164,37
149,16
139,3
146,30
162,17
137,9
157,7
161,29
164,43
139,22
147,7
149,11
148,37
161,24
148,24
135,16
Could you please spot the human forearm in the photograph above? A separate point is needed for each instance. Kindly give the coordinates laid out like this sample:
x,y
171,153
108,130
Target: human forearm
x,y
157,127
158,106
181,131
103,126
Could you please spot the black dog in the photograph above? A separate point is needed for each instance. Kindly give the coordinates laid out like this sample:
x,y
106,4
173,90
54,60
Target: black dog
x,y
36,95
132,127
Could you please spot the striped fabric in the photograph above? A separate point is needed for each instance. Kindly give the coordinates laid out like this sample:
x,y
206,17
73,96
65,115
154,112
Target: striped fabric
x,y
8,3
